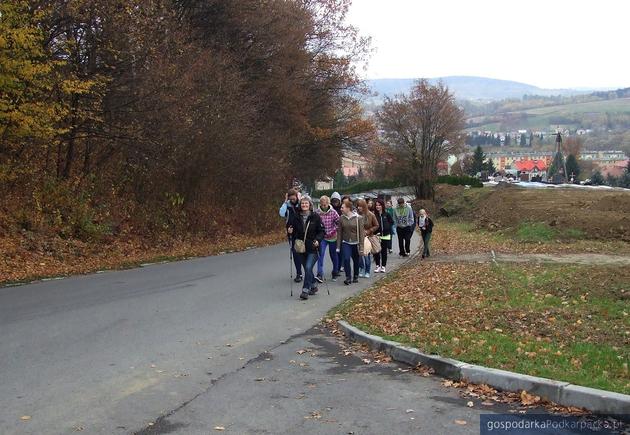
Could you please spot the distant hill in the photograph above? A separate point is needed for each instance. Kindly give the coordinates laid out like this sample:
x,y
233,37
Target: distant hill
x,y
471,88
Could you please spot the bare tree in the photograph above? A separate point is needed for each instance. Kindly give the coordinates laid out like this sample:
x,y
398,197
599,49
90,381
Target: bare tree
x,y
424,126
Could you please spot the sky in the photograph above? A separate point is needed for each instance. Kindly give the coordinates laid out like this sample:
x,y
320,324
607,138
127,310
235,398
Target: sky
x,y
546,43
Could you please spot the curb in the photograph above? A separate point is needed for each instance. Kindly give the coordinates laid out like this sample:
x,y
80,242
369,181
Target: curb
x,y
562,393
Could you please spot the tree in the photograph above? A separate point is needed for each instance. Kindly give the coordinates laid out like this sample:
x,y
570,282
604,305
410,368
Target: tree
x,y
573,168
478,160
611,180
523,140
508,140
489,166
597,179
340,179
531,138
557,166
426,125
28,76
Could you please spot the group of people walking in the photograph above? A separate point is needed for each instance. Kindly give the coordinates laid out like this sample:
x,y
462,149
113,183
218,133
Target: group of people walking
x,y
354,233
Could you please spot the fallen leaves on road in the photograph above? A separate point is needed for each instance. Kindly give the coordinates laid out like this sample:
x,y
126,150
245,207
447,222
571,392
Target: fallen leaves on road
x,y
461,422
219,428
25,417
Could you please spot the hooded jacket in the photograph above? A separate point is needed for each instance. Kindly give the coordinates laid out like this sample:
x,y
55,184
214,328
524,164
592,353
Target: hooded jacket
x,y
330,220
403,216
336,195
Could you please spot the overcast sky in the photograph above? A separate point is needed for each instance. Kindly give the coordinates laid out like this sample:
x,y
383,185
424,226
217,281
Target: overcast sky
x,y
547,43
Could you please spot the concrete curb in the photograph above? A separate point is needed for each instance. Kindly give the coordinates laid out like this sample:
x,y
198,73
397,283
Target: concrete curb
x,y
562,393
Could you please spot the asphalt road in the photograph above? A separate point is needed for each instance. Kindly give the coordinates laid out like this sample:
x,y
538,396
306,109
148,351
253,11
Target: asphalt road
x,y
110,353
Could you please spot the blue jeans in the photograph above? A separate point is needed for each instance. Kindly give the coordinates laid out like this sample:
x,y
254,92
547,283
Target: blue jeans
x,y
366,263
308,260
350,252
332,251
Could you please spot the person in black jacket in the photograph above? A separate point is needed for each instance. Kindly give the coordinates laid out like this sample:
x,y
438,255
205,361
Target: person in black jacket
x,y
307,226
291,207
384,231
426,228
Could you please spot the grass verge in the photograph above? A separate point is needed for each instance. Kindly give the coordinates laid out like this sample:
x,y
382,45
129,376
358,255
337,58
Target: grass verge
x,y
564,322
458,237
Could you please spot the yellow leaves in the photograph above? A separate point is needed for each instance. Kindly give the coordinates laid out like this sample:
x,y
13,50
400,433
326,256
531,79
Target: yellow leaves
x,y
25,418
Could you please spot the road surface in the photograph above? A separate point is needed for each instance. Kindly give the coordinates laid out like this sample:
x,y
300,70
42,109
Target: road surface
x,y
188,346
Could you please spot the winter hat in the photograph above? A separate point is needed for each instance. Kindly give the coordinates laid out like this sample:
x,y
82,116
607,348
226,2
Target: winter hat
x,y
335,195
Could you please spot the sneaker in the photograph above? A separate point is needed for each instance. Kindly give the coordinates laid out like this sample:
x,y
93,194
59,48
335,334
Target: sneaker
x,y
355,279
389,251
367,275
347,281
319,279
377,269
383,269
313,291
361,275
298,278
304,296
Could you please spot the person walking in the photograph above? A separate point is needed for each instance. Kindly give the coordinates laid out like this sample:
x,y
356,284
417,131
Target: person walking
x,y
426,228
330,220
390,211
290,208
404,220
384,231
307,227
371,225
350,235
335,201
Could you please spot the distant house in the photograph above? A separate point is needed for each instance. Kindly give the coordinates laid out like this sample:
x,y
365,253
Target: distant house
x,y
351,163
529,169
324,184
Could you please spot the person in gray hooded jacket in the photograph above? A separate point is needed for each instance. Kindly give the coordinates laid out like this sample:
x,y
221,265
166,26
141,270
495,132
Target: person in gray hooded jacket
x,y
405,223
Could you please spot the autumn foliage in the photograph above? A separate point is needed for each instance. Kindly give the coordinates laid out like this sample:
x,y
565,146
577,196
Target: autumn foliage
x,y
169,116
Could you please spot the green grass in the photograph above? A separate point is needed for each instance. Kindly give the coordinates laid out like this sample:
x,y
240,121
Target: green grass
x,y
538,232
563,322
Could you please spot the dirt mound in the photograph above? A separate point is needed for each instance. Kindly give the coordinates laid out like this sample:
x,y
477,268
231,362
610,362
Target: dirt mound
x,y
581,213
443,194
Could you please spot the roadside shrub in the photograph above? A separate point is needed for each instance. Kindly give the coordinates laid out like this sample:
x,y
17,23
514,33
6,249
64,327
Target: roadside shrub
x,y
459,180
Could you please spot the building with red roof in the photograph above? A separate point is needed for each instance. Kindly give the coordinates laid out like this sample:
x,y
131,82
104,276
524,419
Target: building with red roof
x,y
528,169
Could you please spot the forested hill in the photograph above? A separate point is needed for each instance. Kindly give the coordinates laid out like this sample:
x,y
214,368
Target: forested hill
x,y
471,88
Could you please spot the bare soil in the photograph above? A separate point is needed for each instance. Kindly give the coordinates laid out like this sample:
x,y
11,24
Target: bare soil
x,y
597,214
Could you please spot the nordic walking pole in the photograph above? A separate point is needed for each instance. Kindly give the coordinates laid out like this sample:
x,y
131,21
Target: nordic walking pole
x,y
291,264
323,277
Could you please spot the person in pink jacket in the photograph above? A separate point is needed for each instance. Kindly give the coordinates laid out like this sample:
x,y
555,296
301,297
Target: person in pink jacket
x,y
330,220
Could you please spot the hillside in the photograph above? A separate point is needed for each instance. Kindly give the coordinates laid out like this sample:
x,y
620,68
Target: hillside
x,y
573,115
470,88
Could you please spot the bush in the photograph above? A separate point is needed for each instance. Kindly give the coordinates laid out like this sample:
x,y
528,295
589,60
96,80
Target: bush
x,y
459,180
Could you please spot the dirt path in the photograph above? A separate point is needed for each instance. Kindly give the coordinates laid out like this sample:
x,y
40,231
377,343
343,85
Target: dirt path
x,y
583,258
